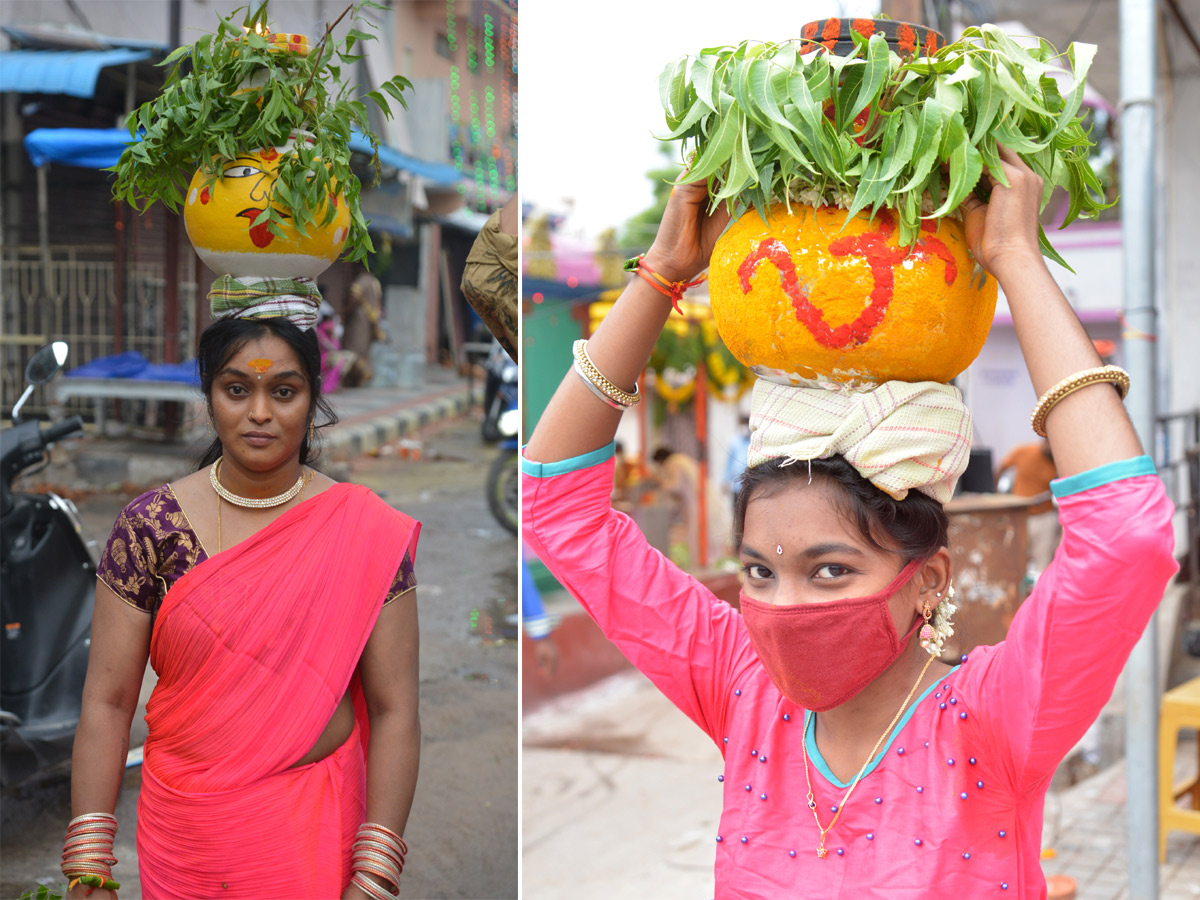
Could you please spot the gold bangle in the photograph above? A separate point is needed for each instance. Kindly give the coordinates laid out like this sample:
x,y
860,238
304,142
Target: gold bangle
x,y
593,377
1115,375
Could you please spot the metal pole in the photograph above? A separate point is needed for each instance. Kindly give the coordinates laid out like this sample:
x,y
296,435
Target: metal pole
x,y
1139,44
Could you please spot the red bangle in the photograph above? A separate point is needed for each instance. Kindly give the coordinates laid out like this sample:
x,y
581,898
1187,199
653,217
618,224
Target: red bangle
x,y
672,289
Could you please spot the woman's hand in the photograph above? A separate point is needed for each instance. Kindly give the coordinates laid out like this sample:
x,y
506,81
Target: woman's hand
x,y
687,233
354,892
1004,231
81,892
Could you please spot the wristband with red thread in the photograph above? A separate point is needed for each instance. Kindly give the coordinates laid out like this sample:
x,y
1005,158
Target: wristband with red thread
x,y
672,289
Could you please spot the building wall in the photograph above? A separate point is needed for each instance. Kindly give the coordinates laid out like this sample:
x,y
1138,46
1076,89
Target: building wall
x,y
148,21
1182,300
443,47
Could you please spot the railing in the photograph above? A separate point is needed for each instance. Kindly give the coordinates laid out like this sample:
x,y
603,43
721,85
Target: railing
x,y
72,297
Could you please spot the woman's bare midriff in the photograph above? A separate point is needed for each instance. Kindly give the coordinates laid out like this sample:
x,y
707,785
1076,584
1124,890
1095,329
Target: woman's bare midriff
x,y
335,734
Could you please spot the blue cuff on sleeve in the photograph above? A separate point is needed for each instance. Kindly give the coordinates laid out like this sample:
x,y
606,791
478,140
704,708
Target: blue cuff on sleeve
x,y
1114,471
573,464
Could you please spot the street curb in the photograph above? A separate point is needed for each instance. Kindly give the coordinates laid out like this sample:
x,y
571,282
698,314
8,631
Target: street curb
x,y
354,438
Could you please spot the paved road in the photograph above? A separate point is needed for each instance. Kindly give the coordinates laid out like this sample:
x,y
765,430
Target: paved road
x,y
462,832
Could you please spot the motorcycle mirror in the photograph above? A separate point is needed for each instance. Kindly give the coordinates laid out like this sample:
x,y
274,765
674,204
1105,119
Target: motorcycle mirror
x,y
41,367
46,362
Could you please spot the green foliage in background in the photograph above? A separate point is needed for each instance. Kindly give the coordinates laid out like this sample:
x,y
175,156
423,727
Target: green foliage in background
x,y
204,117
769,123
42,893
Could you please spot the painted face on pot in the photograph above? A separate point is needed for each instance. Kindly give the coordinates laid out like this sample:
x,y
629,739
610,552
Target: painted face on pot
x,y
261,404
220,222
798,548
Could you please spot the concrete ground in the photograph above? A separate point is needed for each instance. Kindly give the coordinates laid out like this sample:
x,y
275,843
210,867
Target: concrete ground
x,y
615,804
463,827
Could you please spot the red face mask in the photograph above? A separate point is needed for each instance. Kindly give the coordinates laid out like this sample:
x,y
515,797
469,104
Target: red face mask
x,y
821,654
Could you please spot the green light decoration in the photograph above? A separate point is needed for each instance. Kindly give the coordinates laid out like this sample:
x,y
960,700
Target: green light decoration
x,y
478,147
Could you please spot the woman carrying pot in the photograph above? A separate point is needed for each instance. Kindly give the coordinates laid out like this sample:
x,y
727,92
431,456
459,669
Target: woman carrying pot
x,y
856,762
279,610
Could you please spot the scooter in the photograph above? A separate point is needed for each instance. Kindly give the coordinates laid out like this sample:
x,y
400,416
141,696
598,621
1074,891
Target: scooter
x,y
503,477
47,590
499,392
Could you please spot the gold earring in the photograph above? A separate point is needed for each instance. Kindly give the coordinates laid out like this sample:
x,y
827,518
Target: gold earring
x,y
310,429
210,425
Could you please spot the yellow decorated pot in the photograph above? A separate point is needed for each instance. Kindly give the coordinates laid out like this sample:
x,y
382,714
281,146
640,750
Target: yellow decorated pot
x,y
220,223
804,298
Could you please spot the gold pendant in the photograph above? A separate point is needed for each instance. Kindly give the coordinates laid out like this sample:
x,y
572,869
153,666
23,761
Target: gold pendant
x,y
821,851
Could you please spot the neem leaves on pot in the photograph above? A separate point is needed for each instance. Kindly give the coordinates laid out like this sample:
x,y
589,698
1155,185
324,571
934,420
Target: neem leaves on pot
x,y
246,89
793,122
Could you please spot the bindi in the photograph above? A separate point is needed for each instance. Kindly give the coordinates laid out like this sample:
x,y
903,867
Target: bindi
x,y
261,365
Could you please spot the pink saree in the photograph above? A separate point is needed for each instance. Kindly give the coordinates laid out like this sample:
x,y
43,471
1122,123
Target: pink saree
x,y
254,648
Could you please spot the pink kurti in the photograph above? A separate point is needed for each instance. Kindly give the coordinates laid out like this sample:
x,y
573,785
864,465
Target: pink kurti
x,y
952,806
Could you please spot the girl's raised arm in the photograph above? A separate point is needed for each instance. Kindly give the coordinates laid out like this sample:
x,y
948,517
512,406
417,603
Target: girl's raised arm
x,y
576,420
1089,427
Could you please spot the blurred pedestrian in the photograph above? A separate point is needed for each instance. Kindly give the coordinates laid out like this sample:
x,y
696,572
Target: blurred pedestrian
x,y
735,460
489,279
538,624
625,476
361,323
335,361
678,477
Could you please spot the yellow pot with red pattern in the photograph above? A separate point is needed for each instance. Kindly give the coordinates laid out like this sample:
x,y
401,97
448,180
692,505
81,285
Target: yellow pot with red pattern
x,y
809,296
220,220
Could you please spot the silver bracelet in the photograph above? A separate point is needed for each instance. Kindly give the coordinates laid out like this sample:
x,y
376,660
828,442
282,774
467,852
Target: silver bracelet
x,y
595,390
370,888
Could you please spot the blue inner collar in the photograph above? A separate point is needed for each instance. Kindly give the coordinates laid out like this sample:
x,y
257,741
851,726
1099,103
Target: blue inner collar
x,y
810,738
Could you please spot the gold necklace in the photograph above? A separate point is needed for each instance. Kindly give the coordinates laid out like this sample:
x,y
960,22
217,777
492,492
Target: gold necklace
x,y
812,804
304,480
214,477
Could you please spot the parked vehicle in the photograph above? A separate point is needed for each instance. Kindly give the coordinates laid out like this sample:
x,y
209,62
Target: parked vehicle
x,y
499,391
503,476
47,589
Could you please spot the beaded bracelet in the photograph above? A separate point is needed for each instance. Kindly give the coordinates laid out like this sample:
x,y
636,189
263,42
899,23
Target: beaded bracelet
x,y
1115,375
597,383
671,289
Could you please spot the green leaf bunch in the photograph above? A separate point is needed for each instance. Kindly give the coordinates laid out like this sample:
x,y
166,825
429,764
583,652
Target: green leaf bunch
x,y
236,93
770,123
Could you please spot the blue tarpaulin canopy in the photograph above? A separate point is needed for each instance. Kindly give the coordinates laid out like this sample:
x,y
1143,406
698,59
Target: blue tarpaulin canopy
x,y
99,148
438,173
91,148
71,72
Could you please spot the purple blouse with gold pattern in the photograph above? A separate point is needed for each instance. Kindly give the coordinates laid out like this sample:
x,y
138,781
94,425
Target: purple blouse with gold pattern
x,y
152,545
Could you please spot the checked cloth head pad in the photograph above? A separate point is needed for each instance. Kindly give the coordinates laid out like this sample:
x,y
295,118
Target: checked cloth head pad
x,y
294,299
899,435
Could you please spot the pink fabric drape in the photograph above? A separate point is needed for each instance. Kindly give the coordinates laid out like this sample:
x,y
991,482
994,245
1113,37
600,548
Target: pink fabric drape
x,y
254,648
